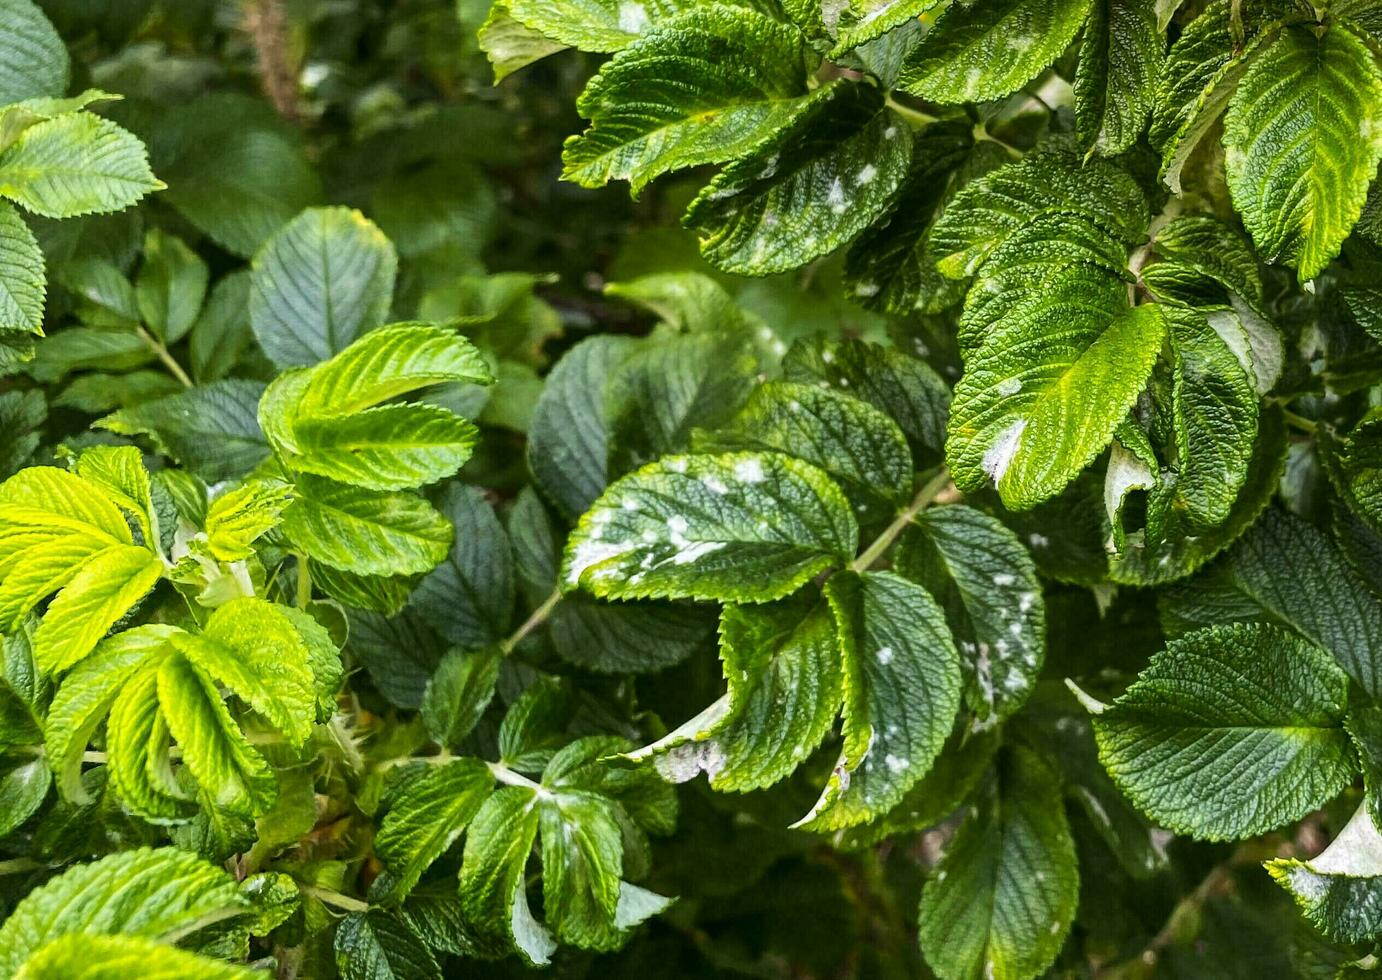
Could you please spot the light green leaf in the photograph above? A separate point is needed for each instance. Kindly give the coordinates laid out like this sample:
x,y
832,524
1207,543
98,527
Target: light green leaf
x,y
87,694
987,583
170,287
860,21
393,447
320,282
1230,732
1303,137
239,517
1118,74
973,54
597,25
1340,889
92,601
424,819
379,945
493,894
365,531
234,775
254,649
859,446
1050,370
1212,250
808,191
696,527
510,45
211,429
75,164
582,860
137,747
35,62
23,281
1001,902
568,439
740,78
83,957
143,892
1048,181
902,688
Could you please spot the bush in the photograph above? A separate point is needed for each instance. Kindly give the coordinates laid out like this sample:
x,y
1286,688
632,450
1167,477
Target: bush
x,y
956,551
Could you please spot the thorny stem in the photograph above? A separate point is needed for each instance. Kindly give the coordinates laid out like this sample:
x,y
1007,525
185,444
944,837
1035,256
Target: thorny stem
x,y
267,26
538,617
168,360
329,897
924,498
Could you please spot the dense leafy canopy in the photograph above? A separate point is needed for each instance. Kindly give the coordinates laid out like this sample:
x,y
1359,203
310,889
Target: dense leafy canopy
x,y
980,487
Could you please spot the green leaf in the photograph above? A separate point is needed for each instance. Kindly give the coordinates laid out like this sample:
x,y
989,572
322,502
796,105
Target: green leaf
x,y
493,894
171,286
320,282
222,332
469,597
142,893
535,725
987,583
88,693
137,748
568,439
75,164
1001,902
670,386
1340,889
255,650
902,687
212,429
1214,251
582,859
365,531
22,791
23,281
81,957
458,694
1050,371
857,445
860,21
1048,181
1285,571
615,638
393,447
1119,70
974,54
238,173
808,191
1230,732
1201,74
234,775
695,527
424,819
904,388
239,517
710,87
35,62
378,945
1303,137
510,45
782,664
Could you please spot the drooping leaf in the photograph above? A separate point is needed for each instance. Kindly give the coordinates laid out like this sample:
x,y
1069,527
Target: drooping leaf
x,y
902,689
1001,902
1119,70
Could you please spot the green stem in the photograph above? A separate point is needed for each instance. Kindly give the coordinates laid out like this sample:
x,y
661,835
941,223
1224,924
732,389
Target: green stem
x,y
304,595
329,897
924,498
508,777
1299,421
538,617
168,360
916,117
16,866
